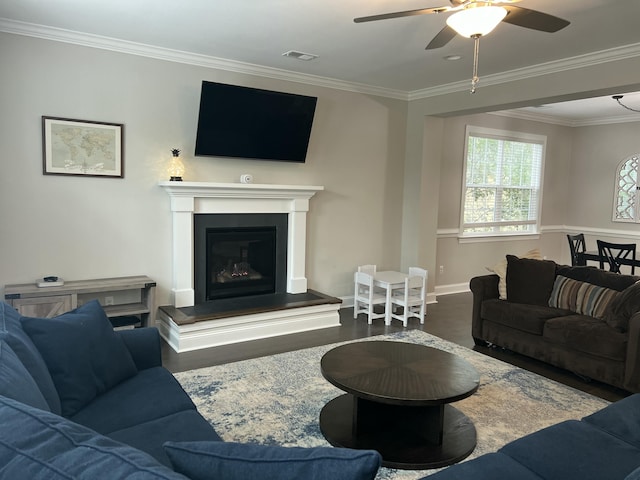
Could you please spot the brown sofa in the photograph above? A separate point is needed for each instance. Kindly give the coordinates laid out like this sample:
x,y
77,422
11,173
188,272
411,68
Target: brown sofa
x,y
581,319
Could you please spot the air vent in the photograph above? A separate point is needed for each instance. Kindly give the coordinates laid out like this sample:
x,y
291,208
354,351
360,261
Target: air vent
x,y
300,55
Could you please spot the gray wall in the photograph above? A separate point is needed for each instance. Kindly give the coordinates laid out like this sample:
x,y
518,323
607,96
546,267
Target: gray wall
x,y
578,187
597,152
614,76
81,227
391,168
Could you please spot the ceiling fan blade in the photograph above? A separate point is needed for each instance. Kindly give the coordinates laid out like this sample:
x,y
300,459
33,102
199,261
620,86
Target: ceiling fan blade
x,y
523,17
443,37
406,13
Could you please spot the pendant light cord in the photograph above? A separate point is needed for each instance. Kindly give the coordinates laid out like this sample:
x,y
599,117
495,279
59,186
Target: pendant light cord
x,y
617,98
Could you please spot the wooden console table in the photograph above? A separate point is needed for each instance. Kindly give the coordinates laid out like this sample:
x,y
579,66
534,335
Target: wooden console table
x,y
127,301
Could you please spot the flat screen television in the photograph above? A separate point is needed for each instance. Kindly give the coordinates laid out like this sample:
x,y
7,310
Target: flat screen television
x,y
245,122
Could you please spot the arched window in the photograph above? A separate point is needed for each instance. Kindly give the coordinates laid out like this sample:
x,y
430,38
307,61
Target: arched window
x,y
625,203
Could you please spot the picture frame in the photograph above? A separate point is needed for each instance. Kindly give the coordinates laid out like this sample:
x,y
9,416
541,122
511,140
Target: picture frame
x,y
82,147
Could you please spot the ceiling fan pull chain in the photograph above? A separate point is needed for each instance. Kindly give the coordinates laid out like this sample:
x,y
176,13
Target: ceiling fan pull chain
x,y
476,53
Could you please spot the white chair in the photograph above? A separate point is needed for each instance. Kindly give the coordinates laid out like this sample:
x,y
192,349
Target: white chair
x,y
412,298
370,269
366,297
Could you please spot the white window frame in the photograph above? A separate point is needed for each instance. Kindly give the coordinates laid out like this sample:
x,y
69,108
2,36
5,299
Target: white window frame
x,y
632,190
474,131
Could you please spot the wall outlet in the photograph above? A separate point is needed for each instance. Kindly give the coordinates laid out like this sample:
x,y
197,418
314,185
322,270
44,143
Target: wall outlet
x,y
441,268
108,301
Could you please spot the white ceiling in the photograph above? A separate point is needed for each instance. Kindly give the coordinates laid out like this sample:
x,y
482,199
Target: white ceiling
x,y
388,55
591,111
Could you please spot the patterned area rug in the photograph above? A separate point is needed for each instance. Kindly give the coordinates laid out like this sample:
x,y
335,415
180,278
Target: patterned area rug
x,y
276,400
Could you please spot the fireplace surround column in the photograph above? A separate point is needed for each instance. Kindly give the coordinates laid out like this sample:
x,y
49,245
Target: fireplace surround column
x,y
189,198
296,247
182,250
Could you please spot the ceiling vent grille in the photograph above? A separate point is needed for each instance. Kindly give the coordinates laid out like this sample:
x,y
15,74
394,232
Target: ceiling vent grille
x,y
300,55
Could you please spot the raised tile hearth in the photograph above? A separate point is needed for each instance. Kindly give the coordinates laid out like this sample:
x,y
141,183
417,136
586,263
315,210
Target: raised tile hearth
x,y
246,318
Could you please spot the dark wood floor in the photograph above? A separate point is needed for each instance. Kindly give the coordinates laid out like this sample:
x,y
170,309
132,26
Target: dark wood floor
x,y
450,319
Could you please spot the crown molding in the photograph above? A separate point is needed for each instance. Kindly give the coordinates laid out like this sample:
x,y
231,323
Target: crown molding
x,y
572,63
195,59
566,122
178,56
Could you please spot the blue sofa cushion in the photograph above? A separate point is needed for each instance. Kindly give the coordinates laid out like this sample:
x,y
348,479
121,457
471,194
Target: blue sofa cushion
x,y
621,419
150,437
492,466
574,450
12,332
145,346
15,380
109,412
39,445
635,475
84,355
234,461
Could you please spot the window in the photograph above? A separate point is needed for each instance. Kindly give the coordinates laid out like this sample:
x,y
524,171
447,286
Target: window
x,y
502,190
625,204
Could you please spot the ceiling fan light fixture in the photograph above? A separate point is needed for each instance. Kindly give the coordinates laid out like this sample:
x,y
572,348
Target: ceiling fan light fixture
x,y
476,20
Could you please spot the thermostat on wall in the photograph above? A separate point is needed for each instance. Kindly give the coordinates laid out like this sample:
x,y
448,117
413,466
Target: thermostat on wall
x,y
246,178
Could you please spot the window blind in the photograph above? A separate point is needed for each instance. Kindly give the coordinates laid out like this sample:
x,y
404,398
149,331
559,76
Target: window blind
x,y
502,187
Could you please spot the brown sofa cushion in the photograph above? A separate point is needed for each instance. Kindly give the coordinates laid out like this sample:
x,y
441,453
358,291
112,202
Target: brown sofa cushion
x,y
594,275
623,307
520,316
500,269
588,335
530,281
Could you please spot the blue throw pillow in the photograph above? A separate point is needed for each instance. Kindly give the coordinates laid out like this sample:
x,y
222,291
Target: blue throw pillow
x,y
39,445
84,355
236,461
11,331
15,380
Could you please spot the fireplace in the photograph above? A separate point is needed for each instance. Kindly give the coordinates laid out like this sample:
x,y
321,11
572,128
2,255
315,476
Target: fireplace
x,y
239,262
198,317
238,255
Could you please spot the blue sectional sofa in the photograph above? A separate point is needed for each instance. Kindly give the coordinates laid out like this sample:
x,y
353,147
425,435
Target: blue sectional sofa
x,y
78,400
602,446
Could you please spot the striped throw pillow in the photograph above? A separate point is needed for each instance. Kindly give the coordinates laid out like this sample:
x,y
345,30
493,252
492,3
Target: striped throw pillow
x,y
565,293
593,300
581,297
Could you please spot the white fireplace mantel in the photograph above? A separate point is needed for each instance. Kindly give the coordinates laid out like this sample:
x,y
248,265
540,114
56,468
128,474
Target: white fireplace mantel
x,y
189,198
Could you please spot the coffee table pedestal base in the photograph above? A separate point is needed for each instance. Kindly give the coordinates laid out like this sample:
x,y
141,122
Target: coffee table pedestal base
x,y
407,437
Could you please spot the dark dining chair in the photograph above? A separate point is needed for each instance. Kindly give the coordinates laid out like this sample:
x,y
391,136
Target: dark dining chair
x,y
613,253
577,246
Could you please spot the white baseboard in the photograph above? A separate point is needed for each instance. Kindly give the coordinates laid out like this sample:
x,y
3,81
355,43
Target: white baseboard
x,y
451,289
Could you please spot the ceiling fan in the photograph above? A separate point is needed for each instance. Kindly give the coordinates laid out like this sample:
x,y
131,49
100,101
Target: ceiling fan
x,y
476,18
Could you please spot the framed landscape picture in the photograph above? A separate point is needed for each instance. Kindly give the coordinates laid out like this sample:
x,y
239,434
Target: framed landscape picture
x,y
82,147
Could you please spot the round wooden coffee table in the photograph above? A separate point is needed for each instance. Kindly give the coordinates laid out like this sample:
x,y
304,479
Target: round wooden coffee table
x,y
397,403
